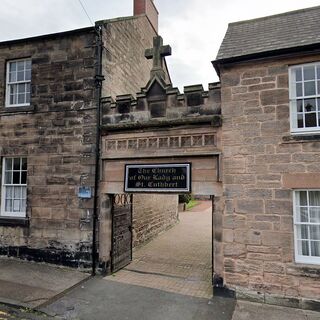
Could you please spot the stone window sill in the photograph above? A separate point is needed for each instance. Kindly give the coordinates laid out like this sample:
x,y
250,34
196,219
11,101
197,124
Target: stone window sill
x,y
6,110
301,138
14,222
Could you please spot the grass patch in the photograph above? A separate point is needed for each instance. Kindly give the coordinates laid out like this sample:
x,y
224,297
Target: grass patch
x,y
192,203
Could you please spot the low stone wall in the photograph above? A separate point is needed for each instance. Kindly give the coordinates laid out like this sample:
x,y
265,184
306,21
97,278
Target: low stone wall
x,y
152,214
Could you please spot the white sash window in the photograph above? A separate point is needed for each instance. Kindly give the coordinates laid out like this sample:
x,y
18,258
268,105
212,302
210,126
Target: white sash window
x,y
307,226
304,89
18,83
14,187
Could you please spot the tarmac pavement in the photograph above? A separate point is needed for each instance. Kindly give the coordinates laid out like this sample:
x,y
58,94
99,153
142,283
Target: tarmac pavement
x,y
31,284
27,283
99,299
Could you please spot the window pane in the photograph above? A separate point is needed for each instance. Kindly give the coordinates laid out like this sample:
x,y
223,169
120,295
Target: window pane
x,y
303,232
302,215
17,192
12,66
298,74
315,215
16,164
299,105
309,88
24,177
21,88
298,89
314,198
311,120
28,75
300,121
303,248
12,77
8,206
8,177
23,205
20,65
315,248
27,87
23,192
310,105
28,64
8,164
315,232
309,73
303,198
28,97
16,205
12,99
21,98
16,177
20,76
318,72
9,193
24,163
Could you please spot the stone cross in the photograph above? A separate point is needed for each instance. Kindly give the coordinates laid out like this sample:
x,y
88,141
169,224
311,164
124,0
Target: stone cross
x,y
157,53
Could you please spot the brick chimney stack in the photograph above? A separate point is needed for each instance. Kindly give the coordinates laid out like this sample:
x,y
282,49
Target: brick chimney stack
x,y
148,8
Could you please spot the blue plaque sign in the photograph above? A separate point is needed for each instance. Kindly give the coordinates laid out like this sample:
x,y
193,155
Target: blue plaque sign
x,y
85,193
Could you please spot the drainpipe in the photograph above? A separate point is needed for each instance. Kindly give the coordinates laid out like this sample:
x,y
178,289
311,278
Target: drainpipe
x,y
98,85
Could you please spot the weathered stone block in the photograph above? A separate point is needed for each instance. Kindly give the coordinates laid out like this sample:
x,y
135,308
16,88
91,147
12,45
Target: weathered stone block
x,y
274,97
250,206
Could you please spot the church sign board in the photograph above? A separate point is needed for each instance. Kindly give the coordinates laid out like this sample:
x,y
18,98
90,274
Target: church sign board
x,y
169,177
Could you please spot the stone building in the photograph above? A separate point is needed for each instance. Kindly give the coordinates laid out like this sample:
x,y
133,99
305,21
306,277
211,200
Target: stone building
x,y
270,89
251,142
50,89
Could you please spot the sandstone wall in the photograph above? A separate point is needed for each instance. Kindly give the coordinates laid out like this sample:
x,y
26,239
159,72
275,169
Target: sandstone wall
x,y
152,214
57,136
258,153
124,65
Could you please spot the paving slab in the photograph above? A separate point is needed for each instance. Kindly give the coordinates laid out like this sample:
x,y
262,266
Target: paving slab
x,y
255,311
100,299
178,260
30,284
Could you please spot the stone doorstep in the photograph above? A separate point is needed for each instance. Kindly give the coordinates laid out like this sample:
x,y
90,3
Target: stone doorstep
x,y
299,303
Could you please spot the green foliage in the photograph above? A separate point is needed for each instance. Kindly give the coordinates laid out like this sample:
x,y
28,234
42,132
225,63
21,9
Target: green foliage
x,y
185,198
192,203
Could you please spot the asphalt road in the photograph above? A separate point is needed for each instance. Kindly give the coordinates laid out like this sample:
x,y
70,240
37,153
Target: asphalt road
x,y
99,299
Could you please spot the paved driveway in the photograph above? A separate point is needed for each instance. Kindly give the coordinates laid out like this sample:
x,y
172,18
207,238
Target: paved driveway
x,y
178,260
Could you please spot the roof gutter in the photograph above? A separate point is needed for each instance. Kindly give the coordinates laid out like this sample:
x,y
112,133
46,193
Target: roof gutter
x,y
306,49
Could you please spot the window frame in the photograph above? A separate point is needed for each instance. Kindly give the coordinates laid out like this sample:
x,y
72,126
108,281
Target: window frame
x,y
8,84
301,258
12,214
293,98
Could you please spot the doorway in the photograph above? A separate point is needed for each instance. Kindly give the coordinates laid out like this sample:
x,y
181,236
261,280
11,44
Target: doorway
x,y
178,259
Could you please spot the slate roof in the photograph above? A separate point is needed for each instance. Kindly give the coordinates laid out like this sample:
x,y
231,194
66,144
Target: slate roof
x,y
287,30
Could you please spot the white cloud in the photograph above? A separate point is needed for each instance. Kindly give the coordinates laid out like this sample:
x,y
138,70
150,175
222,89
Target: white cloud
x,y
194,28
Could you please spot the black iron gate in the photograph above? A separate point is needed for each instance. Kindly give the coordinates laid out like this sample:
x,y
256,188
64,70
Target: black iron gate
x,y
121,254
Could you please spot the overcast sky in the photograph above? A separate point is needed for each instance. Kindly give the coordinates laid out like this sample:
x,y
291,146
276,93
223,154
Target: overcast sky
x,y
194,28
